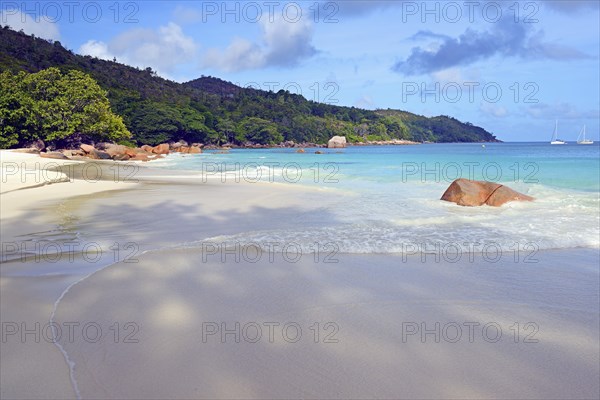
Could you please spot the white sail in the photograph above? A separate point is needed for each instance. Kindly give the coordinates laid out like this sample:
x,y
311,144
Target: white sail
x,y
555,139
581,138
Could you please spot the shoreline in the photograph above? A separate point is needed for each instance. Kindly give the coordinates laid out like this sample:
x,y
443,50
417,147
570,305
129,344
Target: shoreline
x,y
169,286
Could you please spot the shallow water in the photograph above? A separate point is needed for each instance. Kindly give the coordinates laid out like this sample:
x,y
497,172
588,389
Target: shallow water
x,y
391,194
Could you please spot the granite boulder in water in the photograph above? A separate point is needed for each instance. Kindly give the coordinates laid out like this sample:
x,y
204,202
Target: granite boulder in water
x,y
465,192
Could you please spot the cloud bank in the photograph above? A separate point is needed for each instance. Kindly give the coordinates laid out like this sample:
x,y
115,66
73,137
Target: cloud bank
x,y
39,26
506,38
161,49
283,44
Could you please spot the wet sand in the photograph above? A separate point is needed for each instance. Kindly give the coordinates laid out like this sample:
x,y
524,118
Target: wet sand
x,y
160,312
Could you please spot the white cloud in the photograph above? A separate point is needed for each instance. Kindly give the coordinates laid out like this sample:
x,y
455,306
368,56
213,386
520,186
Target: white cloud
x,y
161,49
241,54
40,26
283,44
95,49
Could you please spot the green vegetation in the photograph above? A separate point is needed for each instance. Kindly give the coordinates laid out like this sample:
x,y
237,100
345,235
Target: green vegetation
x,y
53,107
208,110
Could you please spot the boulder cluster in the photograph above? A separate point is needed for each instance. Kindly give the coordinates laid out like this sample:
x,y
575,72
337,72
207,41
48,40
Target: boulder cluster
x,y
110,151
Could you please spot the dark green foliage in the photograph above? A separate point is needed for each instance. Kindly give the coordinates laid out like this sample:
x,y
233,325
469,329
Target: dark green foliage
x,y
210,110
55,107
258,130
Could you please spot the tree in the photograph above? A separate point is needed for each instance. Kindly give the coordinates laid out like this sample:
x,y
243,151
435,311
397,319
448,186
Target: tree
x,y
225,131
15,111
54,107
258,130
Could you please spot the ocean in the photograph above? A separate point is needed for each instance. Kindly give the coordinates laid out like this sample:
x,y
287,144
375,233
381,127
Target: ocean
x,y
389,195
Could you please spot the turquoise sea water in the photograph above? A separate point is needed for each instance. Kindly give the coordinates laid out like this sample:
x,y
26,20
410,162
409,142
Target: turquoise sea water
x,y
389,195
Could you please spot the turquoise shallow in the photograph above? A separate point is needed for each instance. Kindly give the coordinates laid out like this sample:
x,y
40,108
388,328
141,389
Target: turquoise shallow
x,y
389,195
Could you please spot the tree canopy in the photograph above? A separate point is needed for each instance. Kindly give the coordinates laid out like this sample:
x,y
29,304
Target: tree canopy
x,y
53,107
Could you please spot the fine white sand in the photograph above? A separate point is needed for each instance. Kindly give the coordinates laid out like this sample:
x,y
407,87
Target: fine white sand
x,y
163,291
362,304
32,192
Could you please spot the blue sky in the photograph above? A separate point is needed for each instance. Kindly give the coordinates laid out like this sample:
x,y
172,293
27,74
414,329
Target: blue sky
x,y
511,67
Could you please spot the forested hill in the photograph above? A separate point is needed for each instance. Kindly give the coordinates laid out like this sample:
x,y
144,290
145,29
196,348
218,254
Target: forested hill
x,y
210,110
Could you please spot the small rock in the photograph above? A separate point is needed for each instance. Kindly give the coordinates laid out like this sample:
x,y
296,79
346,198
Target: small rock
x,y
300,151
87,148
132,152
177,145
121,157
140,157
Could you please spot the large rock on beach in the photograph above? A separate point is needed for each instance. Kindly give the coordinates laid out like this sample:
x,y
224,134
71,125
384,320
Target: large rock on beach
x,y
132,152
121,157
99,155
161,149
465,192
87,148
116,150
337,142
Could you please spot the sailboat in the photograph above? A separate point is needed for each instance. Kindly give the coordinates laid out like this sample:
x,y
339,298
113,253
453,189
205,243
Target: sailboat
x,y
581,138
555,139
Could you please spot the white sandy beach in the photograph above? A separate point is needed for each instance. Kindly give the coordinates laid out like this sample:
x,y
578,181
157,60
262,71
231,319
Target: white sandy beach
x,y
167,305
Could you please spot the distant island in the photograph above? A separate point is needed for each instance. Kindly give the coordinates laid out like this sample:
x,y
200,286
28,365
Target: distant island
x,y
208,110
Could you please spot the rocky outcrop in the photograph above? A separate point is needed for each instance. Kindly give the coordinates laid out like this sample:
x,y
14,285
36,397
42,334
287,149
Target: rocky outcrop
x,y
99,155
189,150
87,148
108,151
465,192
337,142
161,149
115,150
121,157
178,145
